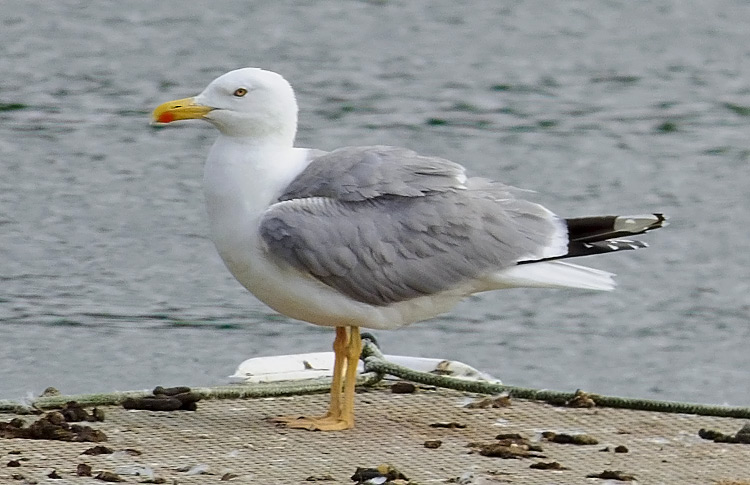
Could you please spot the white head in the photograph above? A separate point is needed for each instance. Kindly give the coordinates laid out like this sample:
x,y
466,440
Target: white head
x,y
249,103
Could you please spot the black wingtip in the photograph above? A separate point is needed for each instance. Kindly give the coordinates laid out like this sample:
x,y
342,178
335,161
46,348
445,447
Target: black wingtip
x,y
605,234
602,228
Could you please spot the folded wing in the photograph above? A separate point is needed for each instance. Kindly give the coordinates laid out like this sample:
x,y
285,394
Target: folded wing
x,y
383,225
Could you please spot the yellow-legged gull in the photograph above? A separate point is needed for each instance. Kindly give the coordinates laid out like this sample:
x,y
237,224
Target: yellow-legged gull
x,y
377,237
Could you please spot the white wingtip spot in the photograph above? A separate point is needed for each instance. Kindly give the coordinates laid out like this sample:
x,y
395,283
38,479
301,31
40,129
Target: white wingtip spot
x,y
638,223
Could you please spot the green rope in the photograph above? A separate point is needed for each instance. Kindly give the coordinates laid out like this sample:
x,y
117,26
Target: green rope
x,y
375,363
271,389
375,368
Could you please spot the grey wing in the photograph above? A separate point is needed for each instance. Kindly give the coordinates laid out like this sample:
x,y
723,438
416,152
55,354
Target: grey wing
x,y
390,248
359,173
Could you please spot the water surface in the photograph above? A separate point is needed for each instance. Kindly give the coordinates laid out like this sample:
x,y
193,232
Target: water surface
x,y
108,280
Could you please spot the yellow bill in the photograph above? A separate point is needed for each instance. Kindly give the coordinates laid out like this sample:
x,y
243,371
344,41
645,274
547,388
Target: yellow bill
x,y
179,109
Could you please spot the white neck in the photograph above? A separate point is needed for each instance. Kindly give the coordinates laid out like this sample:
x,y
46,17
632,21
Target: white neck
x,y
241,179
257,131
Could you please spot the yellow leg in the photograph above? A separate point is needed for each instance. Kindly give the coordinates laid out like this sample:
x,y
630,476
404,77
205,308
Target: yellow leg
x,y
354,349
339,365
346,348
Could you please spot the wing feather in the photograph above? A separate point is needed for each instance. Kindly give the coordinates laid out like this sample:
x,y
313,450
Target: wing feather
x,y
385,225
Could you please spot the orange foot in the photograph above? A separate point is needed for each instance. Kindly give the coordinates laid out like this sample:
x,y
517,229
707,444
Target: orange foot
x,y
315,423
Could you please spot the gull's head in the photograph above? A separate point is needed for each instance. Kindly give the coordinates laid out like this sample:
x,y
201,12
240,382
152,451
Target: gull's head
x,y
249,103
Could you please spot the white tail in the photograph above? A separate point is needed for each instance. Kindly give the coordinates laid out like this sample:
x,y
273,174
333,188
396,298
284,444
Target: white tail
x,y
553,274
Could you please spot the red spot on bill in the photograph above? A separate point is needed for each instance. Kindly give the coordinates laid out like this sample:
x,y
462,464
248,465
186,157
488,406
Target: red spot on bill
x,y
166,117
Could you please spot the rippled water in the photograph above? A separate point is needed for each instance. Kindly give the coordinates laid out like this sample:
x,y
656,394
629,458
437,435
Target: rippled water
x,y
108,280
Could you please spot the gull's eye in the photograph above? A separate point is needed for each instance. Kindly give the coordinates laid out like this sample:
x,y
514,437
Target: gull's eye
x,y
240,92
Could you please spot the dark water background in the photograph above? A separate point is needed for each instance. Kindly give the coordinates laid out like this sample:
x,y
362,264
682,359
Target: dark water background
x,y
108,280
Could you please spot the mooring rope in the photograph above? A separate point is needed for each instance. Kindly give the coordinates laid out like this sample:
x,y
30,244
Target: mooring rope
x,y
262,390
374,362
376,367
